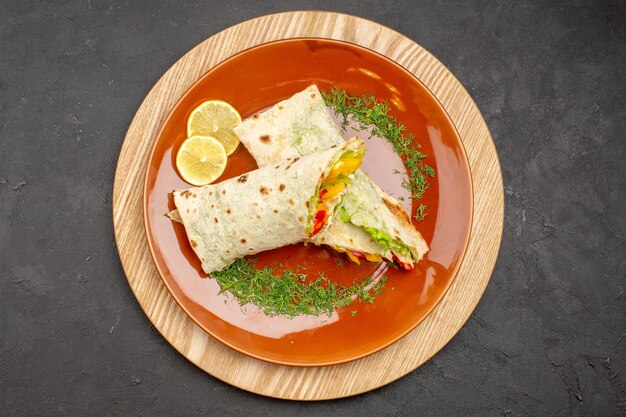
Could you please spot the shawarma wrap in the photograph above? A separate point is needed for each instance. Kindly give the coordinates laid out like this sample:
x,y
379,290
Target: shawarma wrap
x,y
371,224
277,205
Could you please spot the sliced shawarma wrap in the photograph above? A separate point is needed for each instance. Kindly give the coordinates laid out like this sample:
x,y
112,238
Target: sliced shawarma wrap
x,y
273,206
302,124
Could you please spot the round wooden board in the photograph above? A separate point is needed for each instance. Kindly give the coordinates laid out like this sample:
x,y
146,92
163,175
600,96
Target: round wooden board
x,y
321,382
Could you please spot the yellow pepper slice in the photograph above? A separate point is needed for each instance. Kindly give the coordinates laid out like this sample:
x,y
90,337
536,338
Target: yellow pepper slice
x,y
373,258
353,258
333,190
345,166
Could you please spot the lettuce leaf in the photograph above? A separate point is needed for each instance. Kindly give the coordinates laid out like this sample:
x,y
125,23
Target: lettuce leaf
x,y
379,236
387,241
343,215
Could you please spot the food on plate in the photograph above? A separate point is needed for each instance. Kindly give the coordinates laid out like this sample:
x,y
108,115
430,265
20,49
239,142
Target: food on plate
x,y
201,160
367,112
217,119
371,225
274,206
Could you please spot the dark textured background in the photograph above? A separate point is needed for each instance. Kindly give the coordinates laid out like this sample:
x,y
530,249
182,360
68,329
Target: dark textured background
x,y
549,336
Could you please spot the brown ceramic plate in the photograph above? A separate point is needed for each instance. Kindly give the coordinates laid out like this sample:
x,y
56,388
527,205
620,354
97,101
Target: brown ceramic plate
x,y
254,80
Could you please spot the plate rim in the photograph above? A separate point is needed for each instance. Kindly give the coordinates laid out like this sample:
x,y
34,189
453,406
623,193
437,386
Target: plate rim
x,y
152,244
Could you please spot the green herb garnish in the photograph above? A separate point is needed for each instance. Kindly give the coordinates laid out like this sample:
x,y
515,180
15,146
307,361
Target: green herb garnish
x,y
288,293
421,212
354,313
338,262
370,112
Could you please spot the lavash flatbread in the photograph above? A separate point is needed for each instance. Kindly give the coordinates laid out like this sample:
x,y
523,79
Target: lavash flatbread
x,y
257,211
302,124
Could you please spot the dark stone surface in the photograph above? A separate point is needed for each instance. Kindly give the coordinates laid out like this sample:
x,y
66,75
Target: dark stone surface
x,y
549,336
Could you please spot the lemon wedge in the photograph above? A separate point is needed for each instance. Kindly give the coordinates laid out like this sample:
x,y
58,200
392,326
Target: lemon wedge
x,y
201,160
217,119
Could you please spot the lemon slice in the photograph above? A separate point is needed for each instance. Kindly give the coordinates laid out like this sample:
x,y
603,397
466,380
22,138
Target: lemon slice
x,y
201,160
215,118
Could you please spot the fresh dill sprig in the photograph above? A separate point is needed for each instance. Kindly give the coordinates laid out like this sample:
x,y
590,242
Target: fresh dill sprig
x,y
369,112
288,293
420,213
